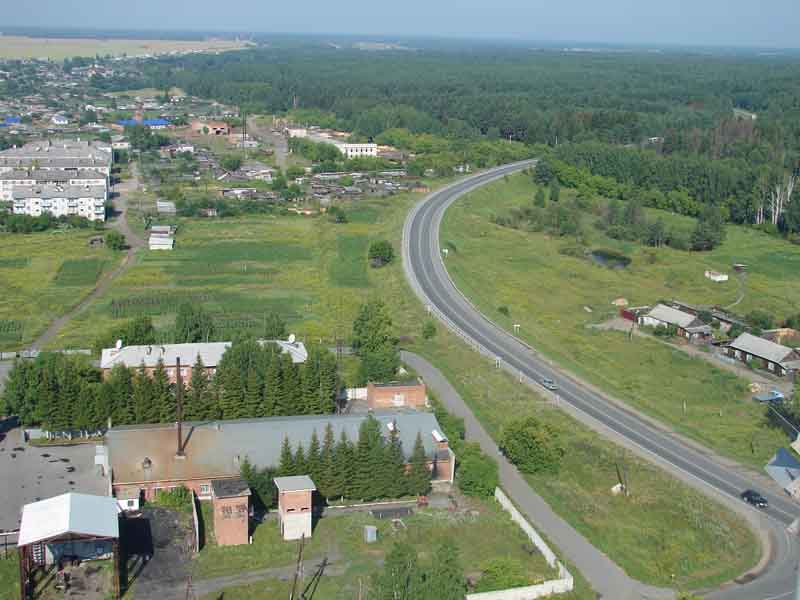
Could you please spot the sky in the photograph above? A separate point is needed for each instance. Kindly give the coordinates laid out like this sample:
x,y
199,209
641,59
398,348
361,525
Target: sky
x,y
764,23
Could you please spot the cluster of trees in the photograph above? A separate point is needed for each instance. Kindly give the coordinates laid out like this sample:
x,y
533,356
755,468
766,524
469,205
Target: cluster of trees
x,y
144,139
533,446
370,467
12,223
374,342
381,252
403,578
66,393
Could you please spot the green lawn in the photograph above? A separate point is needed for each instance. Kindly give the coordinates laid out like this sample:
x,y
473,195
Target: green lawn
x,y
9,576
481,530
549,293
42,275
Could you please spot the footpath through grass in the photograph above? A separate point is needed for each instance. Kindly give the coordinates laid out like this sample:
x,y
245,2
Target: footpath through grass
x,y
551,295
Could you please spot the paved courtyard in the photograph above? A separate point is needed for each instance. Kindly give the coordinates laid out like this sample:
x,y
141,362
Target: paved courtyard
x,y
29,473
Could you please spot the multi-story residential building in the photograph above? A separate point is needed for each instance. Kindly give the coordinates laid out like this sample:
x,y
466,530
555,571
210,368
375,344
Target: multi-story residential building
x,y
80,177
66,155
61,200
358,150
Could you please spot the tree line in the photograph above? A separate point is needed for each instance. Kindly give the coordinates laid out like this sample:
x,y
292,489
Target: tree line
x,y
66,393
370,467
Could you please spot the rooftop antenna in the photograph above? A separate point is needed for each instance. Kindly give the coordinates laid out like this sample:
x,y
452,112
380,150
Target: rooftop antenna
x,y
179,398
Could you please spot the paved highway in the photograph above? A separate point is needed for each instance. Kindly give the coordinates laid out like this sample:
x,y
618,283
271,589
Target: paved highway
x,y
425,270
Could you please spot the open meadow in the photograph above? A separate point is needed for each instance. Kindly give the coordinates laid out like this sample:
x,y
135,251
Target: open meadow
x,y
555,298
18,46
42,275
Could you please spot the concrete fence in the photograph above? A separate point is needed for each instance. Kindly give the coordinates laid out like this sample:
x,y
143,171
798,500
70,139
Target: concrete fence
x,y
563,584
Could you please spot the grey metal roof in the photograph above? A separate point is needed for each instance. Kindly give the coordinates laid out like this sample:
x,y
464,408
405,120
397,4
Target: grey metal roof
x,y
42,176
49,192
295,483
81,514
673,316
783,468
762,348
217,448
210,353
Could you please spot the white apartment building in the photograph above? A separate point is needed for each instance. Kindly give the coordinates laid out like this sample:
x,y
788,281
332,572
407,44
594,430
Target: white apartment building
x,y
358,150
68,155
83,201
79,177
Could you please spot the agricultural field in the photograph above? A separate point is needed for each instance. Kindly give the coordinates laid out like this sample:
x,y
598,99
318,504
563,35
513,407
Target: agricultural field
x,y
42,275
481,530
555,298
14,46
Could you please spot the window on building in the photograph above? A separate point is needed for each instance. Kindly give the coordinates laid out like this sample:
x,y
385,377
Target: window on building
x,y
205,489
131,503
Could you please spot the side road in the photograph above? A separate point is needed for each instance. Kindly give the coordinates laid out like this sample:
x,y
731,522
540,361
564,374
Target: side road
x,y
604,574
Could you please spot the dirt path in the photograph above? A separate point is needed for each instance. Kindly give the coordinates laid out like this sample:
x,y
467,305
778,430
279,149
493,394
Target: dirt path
x,y
121,200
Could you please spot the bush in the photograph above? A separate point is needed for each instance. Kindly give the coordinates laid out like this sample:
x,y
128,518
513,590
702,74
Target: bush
x,y
179,498
381,253
115,240
533,446
760,319
477,473
503,310
502,573
429,329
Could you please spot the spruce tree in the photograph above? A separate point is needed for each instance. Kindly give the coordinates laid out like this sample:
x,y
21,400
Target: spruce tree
x,y
293,388
300,461
314,458
252,395
400,578
231,394
343,460
283,400
326,464
369,460
419,477
163,399
328,384
394,471
120,394
310,381
286,467
143,397
272,387
194,403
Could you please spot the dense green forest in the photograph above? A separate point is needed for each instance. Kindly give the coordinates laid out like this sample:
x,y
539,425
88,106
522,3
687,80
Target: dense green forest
x,y
719,129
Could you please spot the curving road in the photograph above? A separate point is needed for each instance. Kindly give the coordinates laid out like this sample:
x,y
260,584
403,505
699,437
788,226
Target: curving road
x,y
425,271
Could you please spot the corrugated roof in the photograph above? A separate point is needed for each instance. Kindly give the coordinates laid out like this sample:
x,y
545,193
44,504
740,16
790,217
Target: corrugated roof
x,y
762,348
218,448
49,192
673,316
210,352
783,468
72,513
295,483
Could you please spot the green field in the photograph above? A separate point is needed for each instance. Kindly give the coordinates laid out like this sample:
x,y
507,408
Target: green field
x,y
480,529
42,275
17,46
549,293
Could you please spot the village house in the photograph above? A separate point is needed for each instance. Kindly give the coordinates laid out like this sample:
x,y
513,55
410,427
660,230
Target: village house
x,y
144,459
201,127
775,358
688,325
210,353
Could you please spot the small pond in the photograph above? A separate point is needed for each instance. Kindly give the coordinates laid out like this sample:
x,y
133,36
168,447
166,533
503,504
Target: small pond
x,y
609,258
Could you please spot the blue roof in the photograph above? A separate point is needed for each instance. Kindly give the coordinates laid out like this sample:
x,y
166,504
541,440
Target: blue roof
x,y
145,122
13,120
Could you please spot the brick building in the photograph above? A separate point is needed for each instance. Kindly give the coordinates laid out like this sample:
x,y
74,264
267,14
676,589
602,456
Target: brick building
x,y
231,501
141,459
412,394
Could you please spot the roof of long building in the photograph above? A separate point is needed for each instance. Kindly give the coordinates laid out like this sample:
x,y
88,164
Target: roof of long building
x,y
48,191
40,175
71,513
218,448
762,348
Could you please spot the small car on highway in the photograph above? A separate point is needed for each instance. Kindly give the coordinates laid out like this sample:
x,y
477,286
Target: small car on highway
x,y
753,498
549,384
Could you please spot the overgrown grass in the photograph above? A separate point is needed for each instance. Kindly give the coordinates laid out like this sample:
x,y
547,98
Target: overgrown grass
x,y
350,267
550,296
80,272
481,530
9,576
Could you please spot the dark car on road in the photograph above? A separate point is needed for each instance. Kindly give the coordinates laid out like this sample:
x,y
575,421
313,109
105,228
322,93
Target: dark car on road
x,y
754,498
549,384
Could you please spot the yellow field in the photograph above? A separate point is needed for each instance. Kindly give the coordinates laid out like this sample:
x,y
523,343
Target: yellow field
x,y
12,46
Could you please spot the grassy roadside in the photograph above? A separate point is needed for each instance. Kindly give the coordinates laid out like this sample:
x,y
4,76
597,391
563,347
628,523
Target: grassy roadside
x,y
551,295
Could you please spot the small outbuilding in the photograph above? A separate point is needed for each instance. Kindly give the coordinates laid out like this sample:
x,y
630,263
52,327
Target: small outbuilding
x,y
231,500
295,496
70,526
